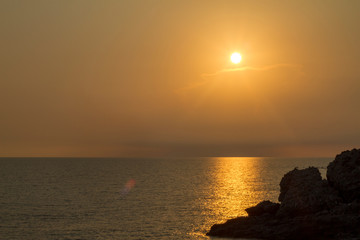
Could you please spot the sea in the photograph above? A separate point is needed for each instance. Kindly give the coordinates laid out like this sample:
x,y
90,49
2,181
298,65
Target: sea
x,y
134,198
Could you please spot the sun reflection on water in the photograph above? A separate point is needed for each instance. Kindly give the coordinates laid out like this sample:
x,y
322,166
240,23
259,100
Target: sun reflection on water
x,y
236,184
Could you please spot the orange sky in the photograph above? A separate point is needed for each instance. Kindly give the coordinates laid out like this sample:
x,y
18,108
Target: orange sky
x,y
154,78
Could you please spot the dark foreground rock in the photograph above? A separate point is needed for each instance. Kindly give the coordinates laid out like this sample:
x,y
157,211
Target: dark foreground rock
x,y
265,207
304,192
310,207
323,226
344,174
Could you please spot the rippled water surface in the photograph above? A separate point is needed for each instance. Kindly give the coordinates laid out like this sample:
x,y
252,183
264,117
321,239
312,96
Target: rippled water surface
x,y
66,198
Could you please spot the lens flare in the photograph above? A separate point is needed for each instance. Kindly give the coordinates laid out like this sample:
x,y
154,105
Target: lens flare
x,y
128,186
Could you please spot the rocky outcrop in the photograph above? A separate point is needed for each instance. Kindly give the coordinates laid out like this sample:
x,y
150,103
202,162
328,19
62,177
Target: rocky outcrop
x,y
310,207
304,192
264,207
320,227
344,174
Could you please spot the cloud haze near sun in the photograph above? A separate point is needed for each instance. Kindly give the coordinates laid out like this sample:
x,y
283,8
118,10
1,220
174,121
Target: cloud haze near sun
x,y
208,76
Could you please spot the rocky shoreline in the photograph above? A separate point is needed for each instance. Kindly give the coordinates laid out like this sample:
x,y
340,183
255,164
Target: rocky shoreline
x,y
310,207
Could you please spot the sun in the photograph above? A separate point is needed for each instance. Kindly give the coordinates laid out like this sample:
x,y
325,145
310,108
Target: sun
x,y
235,57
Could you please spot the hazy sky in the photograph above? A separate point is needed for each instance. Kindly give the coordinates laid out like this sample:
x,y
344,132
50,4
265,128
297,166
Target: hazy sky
x,y
154,78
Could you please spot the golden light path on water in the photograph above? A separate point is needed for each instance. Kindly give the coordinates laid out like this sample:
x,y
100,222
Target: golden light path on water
x,y
238,183
235,190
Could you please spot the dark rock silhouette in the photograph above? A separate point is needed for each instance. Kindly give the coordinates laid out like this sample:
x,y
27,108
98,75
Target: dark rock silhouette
x,y
310,207
304,192
264,207
344,174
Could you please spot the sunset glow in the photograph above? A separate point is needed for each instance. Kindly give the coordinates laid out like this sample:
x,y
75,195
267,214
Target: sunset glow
x,y
170,78
167,119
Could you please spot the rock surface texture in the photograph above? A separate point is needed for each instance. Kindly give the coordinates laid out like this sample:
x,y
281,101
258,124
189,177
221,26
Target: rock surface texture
x,y
310,207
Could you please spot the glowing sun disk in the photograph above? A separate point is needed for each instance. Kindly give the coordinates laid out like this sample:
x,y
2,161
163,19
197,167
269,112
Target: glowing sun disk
x,y
235,57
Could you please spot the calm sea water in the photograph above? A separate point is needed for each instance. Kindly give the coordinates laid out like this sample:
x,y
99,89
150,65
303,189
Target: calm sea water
x,y
66,198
